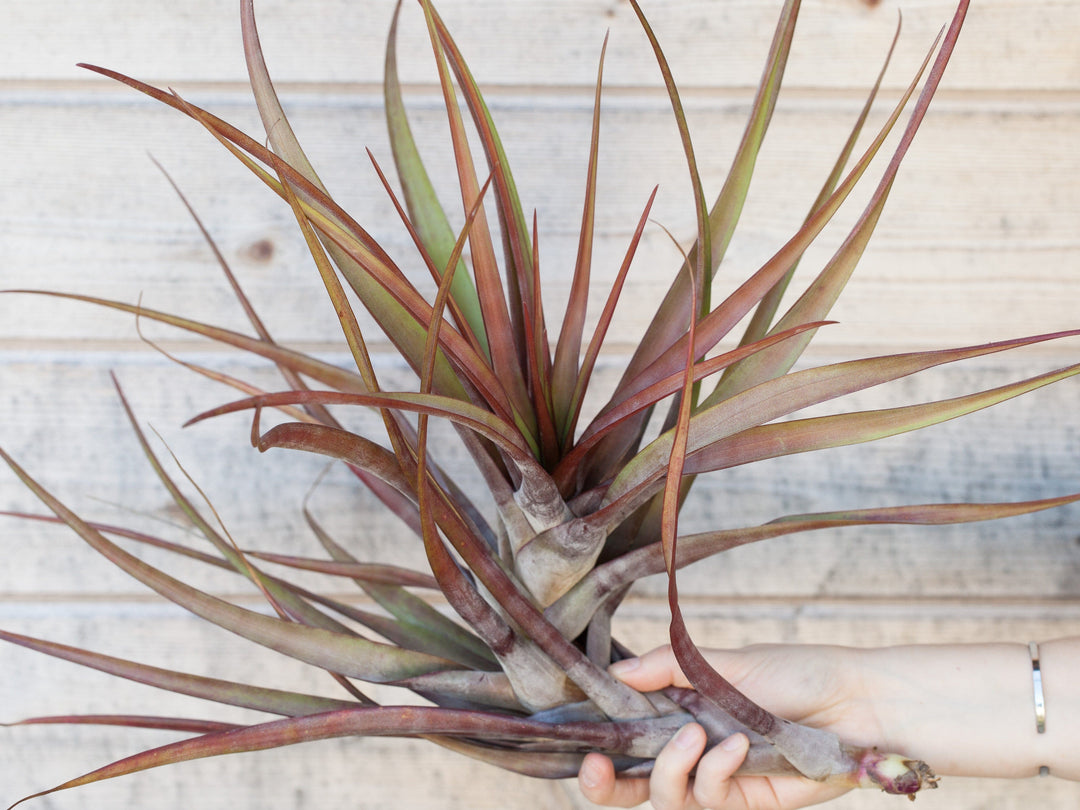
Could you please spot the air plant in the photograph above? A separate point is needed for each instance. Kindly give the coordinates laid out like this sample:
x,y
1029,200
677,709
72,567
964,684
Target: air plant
x,y
579,510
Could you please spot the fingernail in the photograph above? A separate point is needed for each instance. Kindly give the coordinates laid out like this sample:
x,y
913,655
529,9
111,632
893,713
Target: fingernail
x,y
624,667
732,743
686,738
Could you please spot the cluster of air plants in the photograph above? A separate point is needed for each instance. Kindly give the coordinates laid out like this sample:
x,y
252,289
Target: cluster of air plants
x,y
578,511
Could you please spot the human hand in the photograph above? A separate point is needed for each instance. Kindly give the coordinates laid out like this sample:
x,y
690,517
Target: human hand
x,y
814,685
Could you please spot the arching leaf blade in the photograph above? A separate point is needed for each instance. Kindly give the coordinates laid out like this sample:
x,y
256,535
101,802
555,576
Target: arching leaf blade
x,y
568,346
671,317
348,655
572,613
425,210
395,721
785,395
824,432
766,310
719,322
272,701
439,634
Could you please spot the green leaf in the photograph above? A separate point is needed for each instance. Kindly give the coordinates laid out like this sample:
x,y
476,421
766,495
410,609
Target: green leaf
x,y
766,309
365,271
792,392
348,655
806,435
273,701
643,738
433,632
503,338
568,347
719,322
572,613
425,211
672,315
284,142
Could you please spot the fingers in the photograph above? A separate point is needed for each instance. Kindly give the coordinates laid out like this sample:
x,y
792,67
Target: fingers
x,y
671,787
667,788
599,785
713,785
669,784
651,671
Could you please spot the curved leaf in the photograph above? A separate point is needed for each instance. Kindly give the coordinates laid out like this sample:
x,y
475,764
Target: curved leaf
x,y
273,701
392,300
437,633
425,211
326,373
719,322
348,655
368,572
785,395
819,433
671,317
280,597
571,613
643,738
763,316
471,416
568,347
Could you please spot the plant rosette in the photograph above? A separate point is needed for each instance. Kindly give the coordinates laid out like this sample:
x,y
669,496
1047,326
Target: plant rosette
x,y
579,509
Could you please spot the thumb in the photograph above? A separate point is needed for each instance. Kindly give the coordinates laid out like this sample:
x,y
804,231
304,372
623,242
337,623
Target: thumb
x,y
651,671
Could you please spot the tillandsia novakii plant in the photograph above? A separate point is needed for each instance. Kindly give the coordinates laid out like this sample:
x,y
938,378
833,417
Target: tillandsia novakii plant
x,y
579,508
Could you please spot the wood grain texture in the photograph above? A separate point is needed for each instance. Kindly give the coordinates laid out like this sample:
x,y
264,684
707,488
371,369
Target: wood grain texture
x,y
69,429
987,259
372,774
1008,46
979,242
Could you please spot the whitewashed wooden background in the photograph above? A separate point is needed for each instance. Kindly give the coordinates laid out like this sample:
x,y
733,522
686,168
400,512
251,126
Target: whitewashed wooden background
x,y
980,242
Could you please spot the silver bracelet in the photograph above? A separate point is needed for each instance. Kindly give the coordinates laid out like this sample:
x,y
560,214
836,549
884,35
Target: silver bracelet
x,y
1040,700
1037,685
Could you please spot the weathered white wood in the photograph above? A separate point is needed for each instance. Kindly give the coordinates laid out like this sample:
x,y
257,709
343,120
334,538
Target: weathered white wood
x,y
374,773
69,430
979,242
1007,46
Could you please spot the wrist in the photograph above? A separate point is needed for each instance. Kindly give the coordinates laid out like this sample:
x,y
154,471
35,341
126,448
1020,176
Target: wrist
x,y
1057,747
965,709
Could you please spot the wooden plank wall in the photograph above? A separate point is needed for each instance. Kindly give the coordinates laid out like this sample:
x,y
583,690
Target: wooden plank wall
x,y
980,242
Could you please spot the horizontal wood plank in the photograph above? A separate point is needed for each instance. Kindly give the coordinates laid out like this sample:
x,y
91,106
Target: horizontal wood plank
x,y
67,427
372,773
978,241
839,44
